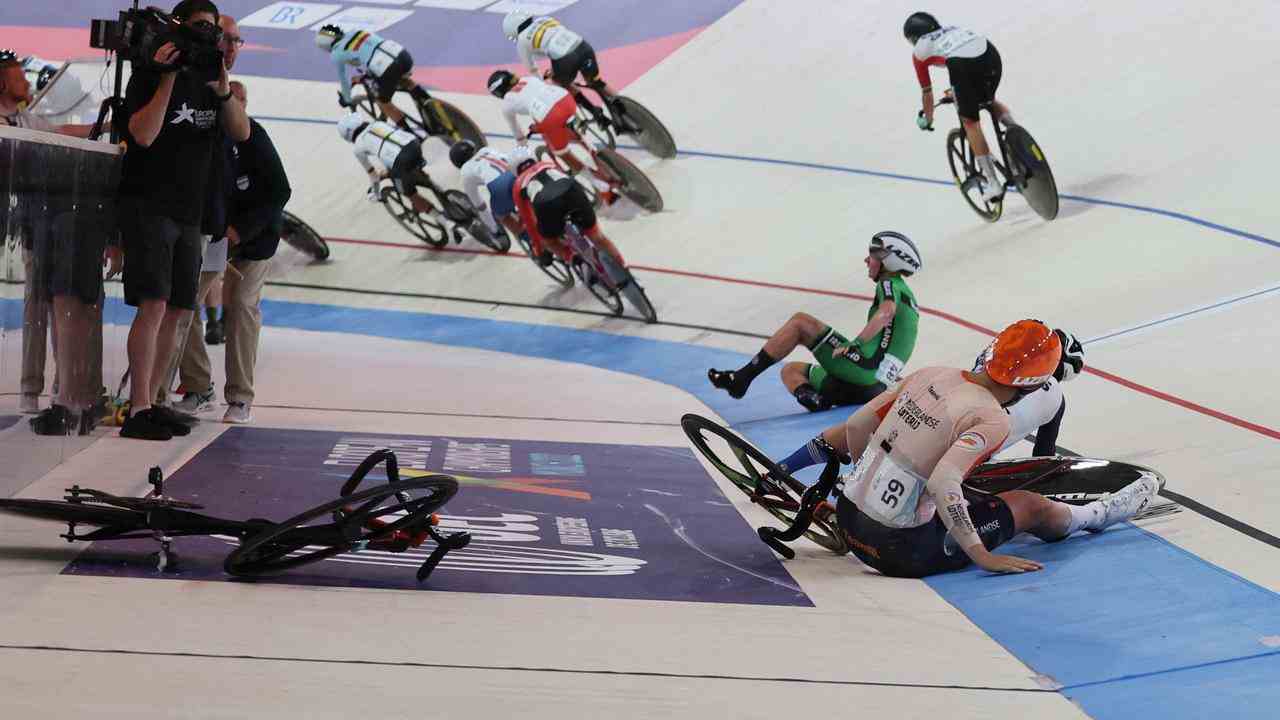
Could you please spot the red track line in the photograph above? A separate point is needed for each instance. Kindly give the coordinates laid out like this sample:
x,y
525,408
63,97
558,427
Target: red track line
x,y
1137,387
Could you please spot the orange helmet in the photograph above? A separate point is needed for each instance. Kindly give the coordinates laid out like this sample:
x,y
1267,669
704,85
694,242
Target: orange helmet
x,y
1025,354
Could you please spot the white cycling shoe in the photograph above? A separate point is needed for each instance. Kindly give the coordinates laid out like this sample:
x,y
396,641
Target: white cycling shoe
x,y
1127,502
991,190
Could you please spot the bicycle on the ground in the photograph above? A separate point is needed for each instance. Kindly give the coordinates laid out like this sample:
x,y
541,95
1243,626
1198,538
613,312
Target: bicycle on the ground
x,y
1022,166
450,214
300,236
393,517
621,115
610,167
430,116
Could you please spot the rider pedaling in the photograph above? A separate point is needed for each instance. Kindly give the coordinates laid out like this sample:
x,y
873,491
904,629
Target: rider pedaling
x,y
490,169
398,151
569,53
848,372
385,60
904,508
550,107
974,66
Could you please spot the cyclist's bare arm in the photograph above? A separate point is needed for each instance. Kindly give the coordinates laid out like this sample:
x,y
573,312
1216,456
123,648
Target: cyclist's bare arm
x,y
882,319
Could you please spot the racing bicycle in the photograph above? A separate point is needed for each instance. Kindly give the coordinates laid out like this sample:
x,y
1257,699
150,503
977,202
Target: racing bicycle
x,y
303,238
430,117
1074,480
451,208
604,277
1022,166
621,115
610,167
392,517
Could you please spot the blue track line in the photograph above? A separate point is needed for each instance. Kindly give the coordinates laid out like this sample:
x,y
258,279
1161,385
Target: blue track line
x,y
1172,214
1181,315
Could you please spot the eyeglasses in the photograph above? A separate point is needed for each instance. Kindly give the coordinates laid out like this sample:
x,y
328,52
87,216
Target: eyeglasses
x,y
235,40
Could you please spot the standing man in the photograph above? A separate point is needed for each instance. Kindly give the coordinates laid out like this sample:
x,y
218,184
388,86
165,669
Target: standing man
x,y
255,220
172,121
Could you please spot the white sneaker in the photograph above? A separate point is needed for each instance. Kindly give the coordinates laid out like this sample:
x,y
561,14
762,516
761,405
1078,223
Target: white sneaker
x,y
29,404
237,413
195,402
1128,501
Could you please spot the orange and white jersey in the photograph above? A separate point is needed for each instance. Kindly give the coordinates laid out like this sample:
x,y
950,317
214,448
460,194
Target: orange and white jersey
x,y
545,37
937,419
533,97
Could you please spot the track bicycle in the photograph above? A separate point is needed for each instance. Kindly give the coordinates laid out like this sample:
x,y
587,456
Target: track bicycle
x,y
450,214
1073,480
302,237
610,167
1022,166
604,277
430,117
619,114
392,517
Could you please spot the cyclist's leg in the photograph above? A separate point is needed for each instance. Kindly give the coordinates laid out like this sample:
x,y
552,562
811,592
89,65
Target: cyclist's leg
x,y
551,213
801,328
389,82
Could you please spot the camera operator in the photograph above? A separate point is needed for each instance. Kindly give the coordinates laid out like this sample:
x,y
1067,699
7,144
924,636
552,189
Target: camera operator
x,y
173,123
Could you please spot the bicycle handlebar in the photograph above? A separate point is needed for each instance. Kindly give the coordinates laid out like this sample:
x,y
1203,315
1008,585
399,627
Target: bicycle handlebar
x,y
774,537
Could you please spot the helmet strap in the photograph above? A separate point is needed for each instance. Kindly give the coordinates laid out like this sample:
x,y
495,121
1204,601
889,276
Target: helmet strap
x,y
524,25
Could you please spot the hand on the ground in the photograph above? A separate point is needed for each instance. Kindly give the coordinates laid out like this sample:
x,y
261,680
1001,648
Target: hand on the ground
x,y
1007,564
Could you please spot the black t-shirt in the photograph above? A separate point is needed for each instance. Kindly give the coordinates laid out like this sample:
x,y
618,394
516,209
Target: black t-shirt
x,y
171,176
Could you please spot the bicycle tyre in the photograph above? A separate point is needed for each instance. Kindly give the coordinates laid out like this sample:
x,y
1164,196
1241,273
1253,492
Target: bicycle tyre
x,y
959,160
455,124
827,534
635,185
1039,188
588,126
629,288
272,550
601,289
80,513
424,227
300,236
652,135
557,270
499,242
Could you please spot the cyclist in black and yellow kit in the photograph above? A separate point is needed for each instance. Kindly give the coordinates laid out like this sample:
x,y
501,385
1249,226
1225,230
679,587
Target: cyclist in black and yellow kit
x,y
848,372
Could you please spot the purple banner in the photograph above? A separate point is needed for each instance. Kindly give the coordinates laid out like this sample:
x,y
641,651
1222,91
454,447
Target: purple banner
x,y
547,518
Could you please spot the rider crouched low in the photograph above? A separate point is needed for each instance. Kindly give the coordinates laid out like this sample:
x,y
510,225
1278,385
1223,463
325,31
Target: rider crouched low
x,y
399,152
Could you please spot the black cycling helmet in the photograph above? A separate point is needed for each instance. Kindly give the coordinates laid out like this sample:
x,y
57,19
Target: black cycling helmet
x,y
917,24
461,152
500,82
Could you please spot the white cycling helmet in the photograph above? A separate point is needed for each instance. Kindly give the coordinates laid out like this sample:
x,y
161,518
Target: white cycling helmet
x,y
514,22
520,155
1072,363
350,125
896,252
327,35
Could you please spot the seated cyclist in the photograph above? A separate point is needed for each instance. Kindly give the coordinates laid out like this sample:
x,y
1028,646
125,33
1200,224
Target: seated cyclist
x,y
904,509
550,107
384,60
570,55
398,151
546,200
974,66
1039,410
489,169
848,372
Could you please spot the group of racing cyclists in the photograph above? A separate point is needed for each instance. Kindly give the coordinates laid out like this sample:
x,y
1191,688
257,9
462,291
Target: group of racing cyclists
x,y
527,196
916,437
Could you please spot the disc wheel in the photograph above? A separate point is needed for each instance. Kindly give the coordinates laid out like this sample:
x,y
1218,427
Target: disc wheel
x,y
966,176
759,477
302,237
557,270
635,185
628,287
645,127
424,226
1034,176
451,123
75,512
345,527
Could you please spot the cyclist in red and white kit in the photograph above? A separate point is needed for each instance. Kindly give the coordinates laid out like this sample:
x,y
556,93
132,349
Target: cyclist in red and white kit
x,y
975,69
904,509
551,107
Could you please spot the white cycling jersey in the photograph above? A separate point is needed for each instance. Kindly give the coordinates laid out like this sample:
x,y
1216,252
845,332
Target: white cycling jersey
x,y
486,166
1032,410
533,97
382,141
545,37
950,42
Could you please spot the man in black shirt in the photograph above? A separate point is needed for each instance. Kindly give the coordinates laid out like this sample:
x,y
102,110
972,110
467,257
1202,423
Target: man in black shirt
x,y
172,123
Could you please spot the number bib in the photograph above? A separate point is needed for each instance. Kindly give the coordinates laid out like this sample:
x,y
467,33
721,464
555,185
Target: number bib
x,y
561,43
892,494
952,39
383,56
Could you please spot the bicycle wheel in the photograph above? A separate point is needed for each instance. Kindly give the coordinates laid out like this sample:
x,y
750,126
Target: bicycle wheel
x,y
72,512
424,226
629,288
1036,181
635,185
302,237
599,287
296,542
779,493
646,128
557,270
966,176
451,123
601,131
499,242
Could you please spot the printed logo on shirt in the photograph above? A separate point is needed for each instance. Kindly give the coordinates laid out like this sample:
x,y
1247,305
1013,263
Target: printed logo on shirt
x,y
202,119
972,441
